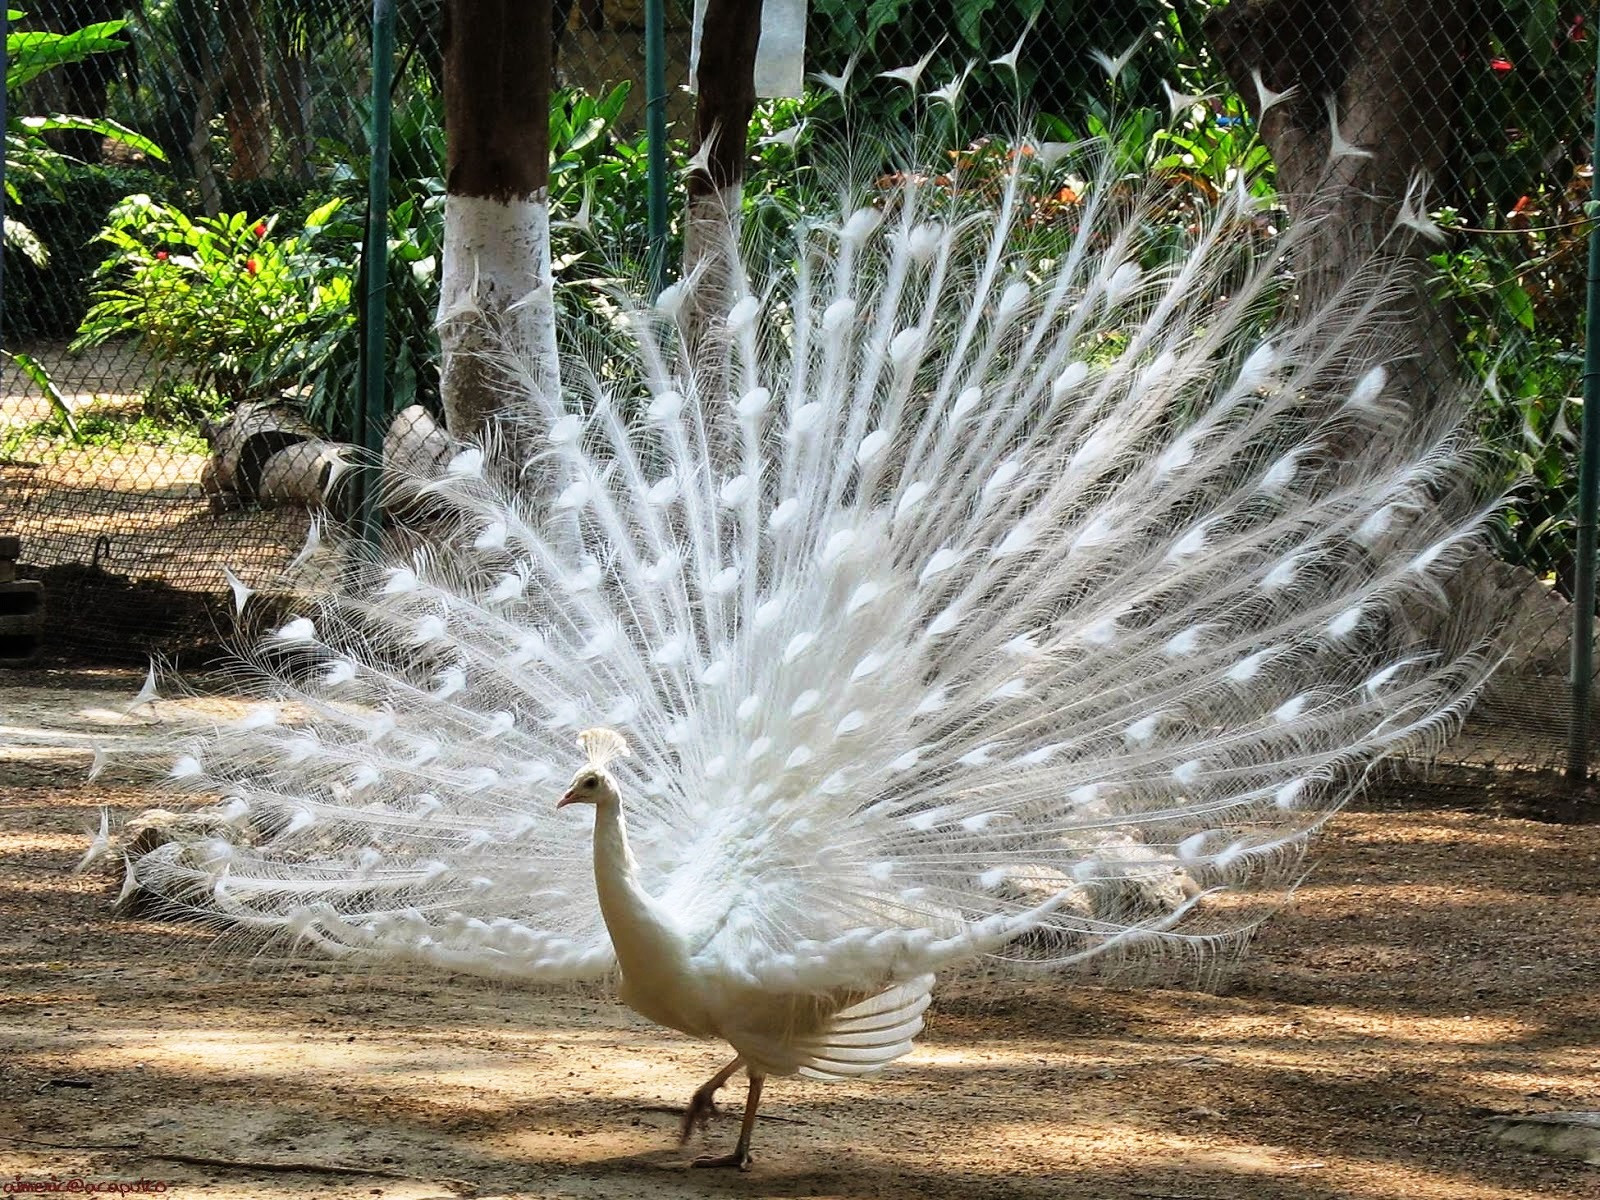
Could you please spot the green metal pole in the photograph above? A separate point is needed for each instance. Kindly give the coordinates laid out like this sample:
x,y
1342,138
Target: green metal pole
x,y
655,127
1588,492
375,254
5,32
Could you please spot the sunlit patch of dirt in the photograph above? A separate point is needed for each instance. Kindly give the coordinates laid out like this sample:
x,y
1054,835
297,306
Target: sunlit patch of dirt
x,y
1438,966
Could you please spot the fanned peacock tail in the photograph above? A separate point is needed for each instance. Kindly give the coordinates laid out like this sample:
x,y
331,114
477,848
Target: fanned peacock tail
x,y
980,585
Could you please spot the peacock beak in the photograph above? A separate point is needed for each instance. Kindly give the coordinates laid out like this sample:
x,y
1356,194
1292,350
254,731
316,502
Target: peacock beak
x,y
571,797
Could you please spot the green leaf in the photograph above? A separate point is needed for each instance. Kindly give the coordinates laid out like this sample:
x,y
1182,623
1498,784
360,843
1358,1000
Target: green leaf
x,y
35,370
593,129
1542,30
26,242
30,54
324,213
880,15
1517,302
112,130
969,21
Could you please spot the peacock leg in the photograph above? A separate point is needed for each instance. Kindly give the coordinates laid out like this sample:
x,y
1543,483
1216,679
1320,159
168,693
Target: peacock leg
x,y
741,1153
704,1101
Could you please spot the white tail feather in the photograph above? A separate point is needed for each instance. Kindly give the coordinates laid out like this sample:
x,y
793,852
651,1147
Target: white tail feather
x,y
1002,590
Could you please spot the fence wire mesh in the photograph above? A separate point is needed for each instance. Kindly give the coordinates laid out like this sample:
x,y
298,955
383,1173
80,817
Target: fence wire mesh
x,y
182,288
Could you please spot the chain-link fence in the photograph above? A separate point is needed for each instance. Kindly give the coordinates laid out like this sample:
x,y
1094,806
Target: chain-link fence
x,y
185,303
188,353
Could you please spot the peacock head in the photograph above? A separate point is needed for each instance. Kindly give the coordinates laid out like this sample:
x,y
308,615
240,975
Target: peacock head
x,y
594,784
590,787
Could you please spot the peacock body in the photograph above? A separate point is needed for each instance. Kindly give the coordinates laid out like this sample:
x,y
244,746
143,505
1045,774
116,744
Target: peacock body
x,y
983,583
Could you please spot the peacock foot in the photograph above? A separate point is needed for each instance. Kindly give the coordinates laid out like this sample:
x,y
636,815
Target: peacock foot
x,y
702,1107
739,1158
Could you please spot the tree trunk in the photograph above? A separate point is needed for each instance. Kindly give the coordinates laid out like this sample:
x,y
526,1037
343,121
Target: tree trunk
x,y
205,85
495,288
1392,69
292,107
244,77
79,89
726,81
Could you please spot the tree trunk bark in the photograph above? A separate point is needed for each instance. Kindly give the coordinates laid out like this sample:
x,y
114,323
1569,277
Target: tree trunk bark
x,y
495,288
292,107
206,85
244,77
725,79
1391,71
80,89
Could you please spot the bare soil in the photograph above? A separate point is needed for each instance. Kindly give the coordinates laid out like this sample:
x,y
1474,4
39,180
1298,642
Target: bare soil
x,y
1441,965
123,535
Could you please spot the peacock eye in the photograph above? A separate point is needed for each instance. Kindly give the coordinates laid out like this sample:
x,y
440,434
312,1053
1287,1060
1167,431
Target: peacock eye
x,y
591,783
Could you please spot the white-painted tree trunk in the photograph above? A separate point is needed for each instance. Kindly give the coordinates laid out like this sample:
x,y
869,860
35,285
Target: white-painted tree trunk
x,y
497,325
711,226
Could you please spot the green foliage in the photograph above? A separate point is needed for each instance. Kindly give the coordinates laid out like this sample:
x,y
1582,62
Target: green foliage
x,y
29,157
30,53
1513,271
1525,98
598,194
1517,295
49,301
227,306
330,362
101,427
219,301
1056,71
1199,152
327,358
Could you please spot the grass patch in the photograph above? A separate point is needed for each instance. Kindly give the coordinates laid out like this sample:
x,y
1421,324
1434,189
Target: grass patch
x,y
102,428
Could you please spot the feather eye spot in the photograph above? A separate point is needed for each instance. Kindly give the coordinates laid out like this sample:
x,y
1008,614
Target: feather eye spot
x,y
1142,731
736,491
753,403
1291,710
784,513
968,400
852,722
565,431
798,645
872,447
665,407
938,563
911,499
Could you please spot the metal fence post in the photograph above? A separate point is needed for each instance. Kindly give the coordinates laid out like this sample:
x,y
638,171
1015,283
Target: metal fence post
x,y
1588,492
655,118
5,65
374,397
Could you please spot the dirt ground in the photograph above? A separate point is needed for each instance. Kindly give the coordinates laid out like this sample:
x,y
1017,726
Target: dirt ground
x,y
1441,965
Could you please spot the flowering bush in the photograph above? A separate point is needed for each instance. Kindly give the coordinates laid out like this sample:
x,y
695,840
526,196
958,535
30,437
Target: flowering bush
x,y
218,301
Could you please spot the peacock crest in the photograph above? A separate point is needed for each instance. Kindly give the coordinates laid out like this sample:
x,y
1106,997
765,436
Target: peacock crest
x,y
602,746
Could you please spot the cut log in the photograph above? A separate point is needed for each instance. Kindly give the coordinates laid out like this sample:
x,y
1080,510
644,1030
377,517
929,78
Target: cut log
x,y
241,445
416,445
268,454
310,473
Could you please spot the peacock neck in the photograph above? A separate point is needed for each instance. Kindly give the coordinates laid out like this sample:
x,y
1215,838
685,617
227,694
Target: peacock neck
x,y
627,909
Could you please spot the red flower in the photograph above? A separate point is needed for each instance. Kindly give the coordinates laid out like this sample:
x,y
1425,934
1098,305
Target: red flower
x,y
261,229
1501,65
251,265
161,256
